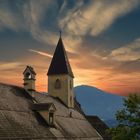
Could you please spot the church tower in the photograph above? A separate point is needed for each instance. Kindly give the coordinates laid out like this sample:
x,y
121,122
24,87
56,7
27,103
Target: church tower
x,y
60,76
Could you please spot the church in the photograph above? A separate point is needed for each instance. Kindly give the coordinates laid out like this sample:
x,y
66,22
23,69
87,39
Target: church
x,y
26,114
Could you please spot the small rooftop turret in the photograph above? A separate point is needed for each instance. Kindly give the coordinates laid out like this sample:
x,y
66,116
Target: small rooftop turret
x,y
29,79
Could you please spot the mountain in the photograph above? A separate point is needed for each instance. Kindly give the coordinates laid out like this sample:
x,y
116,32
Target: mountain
x,y
97,102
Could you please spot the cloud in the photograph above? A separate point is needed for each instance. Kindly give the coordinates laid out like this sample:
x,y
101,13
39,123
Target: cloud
x,y
27,16
126,59
129,52
34,12
127,67
42,18
96,17
11,17
11,72
41,53
9,65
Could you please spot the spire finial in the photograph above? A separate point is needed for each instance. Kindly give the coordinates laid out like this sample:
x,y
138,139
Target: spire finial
x,y
60,33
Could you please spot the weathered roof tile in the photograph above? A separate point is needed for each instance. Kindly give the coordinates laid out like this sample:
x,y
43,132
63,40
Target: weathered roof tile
x,y
19,121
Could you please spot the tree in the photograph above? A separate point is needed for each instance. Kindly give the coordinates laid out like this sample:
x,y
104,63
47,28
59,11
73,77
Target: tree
x,y
129,120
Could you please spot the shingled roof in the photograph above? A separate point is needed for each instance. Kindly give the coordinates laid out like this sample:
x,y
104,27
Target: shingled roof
x,y
19,121
100,126
42,106
60,63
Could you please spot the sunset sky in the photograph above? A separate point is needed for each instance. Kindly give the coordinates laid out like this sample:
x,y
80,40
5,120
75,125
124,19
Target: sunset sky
x,y
102,39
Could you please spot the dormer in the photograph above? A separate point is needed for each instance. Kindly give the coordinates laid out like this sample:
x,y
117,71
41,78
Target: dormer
x,y
47,111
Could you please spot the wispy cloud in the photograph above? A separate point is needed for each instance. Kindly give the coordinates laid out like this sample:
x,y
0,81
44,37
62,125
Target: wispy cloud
x,y
36,13
9,65
27,16
129,52
11,18
82,19
96,17
41,53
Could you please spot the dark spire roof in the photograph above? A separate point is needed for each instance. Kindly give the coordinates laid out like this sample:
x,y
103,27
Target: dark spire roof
x,y
31,70
60,63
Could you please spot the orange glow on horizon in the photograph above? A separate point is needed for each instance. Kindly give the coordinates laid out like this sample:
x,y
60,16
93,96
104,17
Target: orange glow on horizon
x,y
86,72
81,78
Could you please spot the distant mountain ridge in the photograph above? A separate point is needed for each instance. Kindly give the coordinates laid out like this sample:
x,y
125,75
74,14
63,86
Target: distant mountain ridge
x,y
97,102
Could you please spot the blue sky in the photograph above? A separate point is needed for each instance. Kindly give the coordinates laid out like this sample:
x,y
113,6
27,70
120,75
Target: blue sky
x,y
102,38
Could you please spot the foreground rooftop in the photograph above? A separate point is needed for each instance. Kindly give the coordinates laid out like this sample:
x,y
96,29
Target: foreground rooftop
x,y
19,121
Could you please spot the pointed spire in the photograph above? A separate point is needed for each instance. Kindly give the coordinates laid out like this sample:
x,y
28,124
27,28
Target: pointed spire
x,y
60,63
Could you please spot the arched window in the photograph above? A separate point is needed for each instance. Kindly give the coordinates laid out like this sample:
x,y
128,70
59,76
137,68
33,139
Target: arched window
x,y
28,75
57,84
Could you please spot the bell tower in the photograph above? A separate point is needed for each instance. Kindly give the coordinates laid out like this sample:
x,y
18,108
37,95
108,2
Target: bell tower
x,y
29,79
60,76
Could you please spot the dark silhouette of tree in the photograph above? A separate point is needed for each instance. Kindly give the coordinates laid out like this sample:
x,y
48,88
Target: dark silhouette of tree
x,y
129,120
